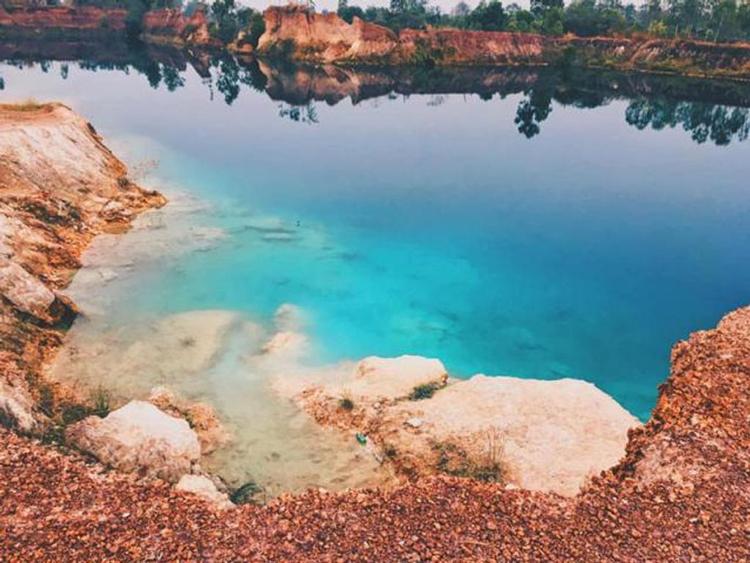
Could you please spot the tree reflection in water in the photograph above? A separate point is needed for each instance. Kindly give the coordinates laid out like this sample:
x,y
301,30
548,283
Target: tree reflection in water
x,y
708,110
720,124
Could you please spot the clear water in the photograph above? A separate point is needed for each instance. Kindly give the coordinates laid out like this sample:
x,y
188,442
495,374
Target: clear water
x,y
428,224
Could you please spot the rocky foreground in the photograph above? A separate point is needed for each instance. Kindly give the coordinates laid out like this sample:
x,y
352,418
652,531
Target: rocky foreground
x,y
681,491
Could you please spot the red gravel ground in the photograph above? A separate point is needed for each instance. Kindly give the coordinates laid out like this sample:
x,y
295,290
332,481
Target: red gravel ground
x,y
681,493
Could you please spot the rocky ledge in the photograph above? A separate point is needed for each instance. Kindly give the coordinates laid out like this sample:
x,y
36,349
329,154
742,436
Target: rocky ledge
x,y
549,436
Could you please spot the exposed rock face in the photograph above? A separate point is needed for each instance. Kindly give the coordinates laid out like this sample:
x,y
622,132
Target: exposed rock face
x,y
298,33
294,30
688,57
305,35
139,437
461,47
59,187
539,435
80,18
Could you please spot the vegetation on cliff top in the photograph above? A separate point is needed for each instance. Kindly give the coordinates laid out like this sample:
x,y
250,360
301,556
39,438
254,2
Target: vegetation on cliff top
x,y
714,20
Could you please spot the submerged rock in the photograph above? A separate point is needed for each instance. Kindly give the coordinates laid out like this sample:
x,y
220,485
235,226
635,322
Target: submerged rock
x,y
139,437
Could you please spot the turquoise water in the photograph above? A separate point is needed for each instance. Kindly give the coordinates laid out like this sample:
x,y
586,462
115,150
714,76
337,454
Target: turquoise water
x,y
427,224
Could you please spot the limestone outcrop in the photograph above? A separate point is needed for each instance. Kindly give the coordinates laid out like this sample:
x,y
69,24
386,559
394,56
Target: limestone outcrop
x,y
141,438
59,187
547,436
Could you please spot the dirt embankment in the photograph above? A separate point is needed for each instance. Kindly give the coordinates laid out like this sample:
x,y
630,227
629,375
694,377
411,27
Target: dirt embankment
x,y
297,33
83,20
163,26
59,187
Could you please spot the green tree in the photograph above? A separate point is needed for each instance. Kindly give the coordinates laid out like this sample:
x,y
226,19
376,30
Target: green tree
x,y
488,16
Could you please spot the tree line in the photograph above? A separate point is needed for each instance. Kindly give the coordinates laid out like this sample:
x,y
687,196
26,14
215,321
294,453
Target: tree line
x,y
712,20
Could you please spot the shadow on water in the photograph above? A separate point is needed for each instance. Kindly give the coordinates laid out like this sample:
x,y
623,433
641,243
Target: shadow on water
x,y
708,110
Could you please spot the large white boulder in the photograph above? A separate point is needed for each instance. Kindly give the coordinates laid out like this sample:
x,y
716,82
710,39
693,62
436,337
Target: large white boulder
x,y
393,378
139,437
550,435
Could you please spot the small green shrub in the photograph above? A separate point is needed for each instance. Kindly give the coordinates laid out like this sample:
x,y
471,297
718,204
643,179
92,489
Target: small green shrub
x,y
424,391
73,413
246,493
346,403
54,435
46,399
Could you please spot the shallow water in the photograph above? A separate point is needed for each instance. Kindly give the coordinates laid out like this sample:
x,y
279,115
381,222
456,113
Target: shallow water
x,y
529,234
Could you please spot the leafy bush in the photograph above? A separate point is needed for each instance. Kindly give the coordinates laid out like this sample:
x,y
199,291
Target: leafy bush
x,y
424,391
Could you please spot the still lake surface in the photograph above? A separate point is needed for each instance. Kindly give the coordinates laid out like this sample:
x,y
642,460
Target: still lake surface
x,y
545,230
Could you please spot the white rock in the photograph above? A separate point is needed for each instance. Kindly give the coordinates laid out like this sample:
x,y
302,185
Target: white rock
x,y
414,422
16,407
24,290
553,434
205,488
139,437
392,378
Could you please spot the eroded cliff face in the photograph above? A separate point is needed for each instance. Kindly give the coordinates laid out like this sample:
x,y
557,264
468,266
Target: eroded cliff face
x,y
687,57
297,32
305,35
164,26
59,187
83,18
300,34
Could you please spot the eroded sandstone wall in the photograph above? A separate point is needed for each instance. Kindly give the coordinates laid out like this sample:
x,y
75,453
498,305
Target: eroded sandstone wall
x,y
297,33
84,18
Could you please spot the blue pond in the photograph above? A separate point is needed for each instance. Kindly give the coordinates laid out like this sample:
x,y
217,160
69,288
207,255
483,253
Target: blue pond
x,y
428,224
